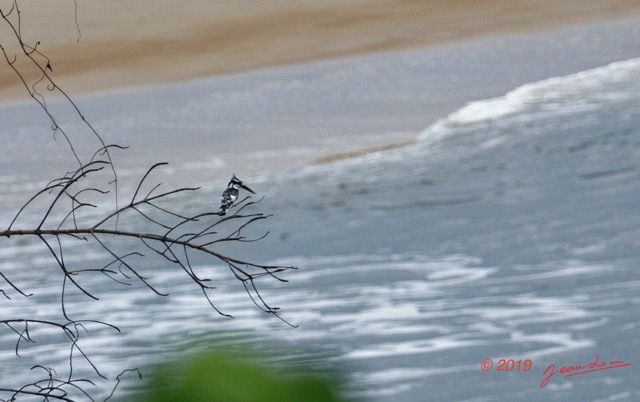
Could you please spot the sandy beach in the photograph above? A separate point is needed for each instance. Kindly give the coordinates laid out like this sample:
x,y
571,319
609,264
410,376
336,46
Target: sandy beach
x,y
95,45
259,88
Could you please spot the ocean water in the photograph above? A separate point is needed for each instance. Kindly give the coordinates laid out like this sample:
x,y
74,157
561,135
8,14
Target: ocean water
x,y
509,230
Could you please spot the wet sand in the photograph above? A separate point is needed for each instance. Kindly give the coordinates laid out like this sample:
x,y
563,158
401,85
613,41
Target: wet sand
x,y
95,45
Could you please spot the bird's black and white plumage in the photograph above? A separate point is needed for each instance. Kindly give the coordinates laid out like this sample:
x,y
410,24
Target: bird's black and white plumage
x,y
230,195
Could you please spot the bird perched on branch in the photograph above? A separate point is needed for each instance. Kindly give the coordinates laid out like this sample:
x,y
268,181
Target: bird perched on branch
x,y
230,195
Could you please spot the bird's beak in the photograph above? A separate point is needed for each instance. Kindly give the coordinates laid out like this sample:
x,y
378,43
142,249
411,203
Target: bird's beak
x,y
247,188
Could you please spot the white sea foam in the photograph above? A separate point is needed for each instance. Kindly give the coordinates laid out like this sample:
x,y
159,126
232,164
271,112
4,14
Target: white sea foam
x,y
578,89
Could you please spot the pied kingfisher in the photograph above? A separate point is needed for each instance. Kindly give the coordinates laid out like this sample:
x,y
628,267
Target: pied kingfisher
x,y
230,195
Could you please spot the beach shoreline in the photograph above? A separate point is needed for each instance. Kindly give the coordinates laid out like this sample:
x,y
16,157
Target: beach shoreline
x,y
271,120
168,41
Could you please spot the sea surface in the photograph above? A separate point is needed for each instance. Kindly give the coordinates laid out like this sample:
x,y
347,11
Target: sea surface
x,y
510,229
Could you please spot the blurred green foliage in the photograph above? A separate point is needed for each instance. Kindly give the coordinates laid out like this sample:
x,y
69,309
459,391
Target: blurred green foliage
x,y
216,377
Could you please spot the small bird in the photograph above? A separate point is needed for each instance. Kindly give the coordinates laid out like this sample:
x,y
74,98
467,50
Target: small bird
x,y
230,195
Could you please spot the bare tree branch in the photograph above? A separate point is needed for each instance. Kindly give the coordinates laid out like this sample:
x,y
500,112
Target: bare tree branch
x,y
83,206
